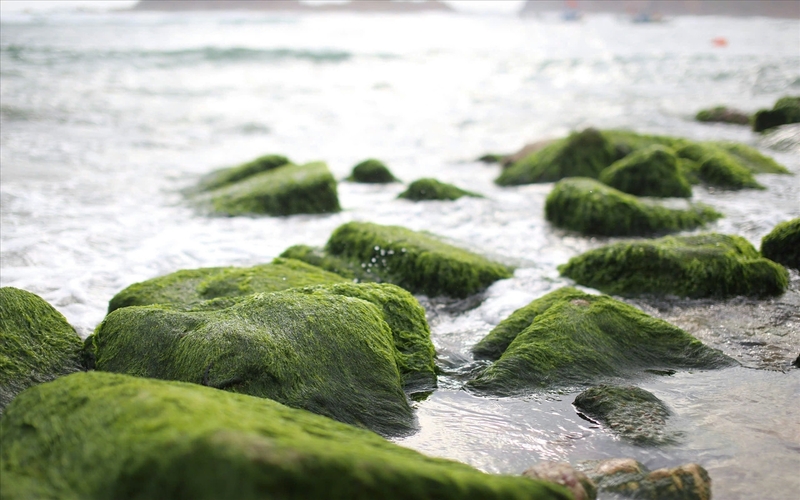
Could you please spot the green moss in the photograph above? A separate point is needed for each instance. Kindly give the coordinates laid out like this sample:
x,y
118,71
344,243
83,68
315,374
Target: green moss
x,y
190,287
786,110
648,172
631,413
706,265
286,190
720,171
579,339
232,175
491,158
36,343
372,171
431,189
589,207
690,170
101,436
751,158
723,114
782,244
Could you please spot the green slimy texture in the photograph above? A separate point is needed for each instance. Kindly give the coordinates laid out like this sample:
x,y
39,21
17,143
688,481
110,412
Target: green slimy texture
x,y
751,158
102,436
722,114
231,175
717,170
690,170
631,413
782,244
286,190
578,340
648,172
705,265
372,171
36,343
320,258
589,207
431,189
627,478
786,110
189,287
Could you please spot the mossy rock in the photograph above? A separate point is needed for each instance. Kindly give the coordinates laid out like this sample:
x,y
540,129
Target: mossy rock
x,y
652,171
705,265
101,436
786,110
189,287
37,344
491,158
723,114
720,171
627,478
631,413
734,152
581,338
337,350
590,207
286,190
782,244
372,171
432,189
227,176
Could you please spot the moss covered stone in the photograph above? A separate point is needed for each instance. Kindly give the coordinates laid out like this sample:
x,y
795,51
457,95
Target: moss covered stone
x,y
723,114
190,287
652,171
372,171
630,412
786,110
581,338
590,207
627,478
720,171
104,436
232,175
432,189
705,265
36,343
782,244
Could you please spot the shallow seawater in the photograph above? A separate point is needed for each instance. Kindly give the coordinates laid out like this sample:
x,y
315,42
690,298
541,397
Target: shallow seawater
x,y
107,117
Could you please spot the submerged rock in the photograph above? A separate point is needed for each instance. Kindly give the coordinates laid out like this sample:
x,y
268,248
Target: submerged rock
x,y
100,435
578,483
782,244
577,338
630,479
227,176
589,207
418,262
432,189
37,344
723,114
786,110
372,171
652,171
704,265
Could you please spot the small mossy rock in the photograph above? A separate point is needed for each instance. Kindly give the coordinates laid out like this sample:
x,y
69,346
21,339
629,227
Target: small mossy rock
x,y
37,344
578,483
704,265
581,338
750,158
723,114
782,244
630,412
648,172
590,207
372,171
720,171
432,189
491,158
786,110
232,175
189,287
582,154
628,478
286,190
100,436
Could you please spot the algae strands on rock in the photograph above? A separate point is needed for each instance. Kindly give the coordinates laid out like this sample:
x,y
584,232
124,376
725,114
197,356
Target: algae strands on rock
x,y
782,244
653,171
575,338
102,436
705,265
590,207
372,171
432,189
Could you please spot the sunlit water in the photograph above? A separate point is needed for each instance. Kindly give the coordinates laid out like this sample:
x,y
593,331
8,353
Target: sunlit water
x,y
106,117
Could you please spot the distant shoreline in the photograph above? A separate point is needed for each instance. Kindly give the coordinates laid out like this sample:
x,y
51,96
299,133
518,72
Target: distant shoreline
x,y
378,6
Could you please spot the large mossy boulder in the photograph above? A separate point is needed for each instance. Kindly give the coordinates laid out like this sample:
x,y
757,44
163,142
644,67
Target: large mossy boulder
x,y
723,114
627,478
99,436
37,344
704,265
782,244
581,338
343,351
590,207
227,176
418,262
372,171
432,189
721,171
189,287
653,171
786,110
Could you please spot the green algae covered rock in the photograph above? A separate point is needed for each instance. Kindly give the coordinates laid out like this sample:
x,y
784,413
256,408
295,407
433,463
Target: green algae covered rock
x,y
189,287
705,265
744,156
372,171
652,171
340,351
231,175
720,171
786,110
631,413
431,189
589,207
782,244
723,114
99,436
627,478
36,343
580,338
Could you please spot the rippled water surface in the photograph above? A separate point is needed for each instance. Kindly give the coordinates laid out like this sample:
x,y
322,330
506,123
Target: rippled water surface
x,y
106,117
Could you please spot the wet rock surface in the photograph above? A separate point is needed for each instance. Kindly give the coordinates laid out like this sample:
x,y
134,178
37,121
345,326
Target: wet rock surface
x,y
631,479
578,483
